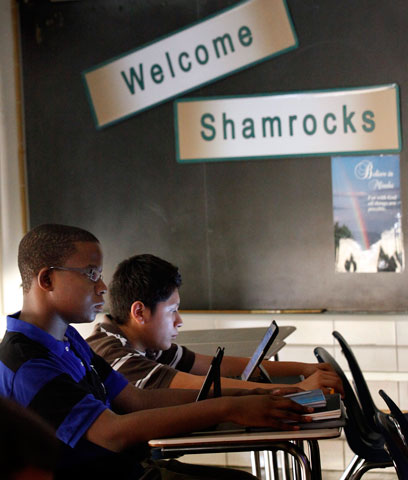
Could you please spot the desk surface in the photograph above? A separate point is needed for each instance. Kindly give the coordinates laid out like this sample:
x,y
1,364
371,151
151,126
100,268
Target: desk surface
x,y
230,334
237,341
239,438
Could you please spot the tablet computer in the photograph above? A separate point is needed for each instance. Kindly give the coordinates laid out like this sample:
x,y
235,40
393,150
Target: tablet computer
x,y
213,377
261,350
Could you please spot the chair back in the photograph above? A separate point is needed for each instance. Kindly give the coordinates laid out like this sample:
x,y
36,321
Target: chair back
x,y
399,416
394,444
363,392
362,439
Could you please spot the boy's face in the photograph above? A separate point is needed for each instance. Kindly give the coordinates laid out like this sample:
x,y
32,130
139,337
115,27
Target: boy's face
x,y
161,327
76,298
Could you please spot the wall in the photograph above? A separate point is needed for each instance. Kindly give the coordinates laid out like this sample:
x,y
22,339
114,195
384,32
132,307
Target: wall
x,y
246,234
11,185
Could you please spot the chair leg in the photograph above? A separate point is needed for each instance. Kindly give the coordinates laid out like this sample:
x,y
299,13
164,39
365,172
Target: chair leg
x,y
301,460
296,466
355,463
285,466
314,455
368,466
275,467
271,465
256,465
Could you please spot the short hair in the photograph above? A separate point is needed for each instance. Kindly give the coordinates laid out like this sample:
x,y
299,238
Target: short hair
x,y
146,278
48,245
25,440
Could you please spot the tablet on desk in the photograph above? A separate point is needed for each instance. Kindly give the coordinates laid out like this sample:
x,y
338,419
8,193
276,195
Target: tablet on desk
x,y
213,377
261,350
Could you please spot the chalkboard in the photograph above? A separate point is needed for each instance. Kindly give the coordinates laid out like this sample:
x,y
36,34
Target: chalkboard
x,y
245,234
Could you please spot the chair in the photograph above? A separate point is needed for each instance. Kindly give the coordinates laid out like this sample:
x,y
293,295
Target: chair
x,y
88,460
365,442
394,443
369,408
399,416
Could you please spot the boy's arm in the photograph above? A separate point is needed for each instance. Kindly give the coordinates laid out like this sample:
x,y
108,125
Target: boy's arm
x,y
317,375
234,366
116,432
132,399
186,380
321,379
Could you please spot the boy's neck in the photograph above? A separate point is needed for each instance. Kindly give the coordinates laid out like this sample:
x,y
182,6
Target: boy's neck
x,y
132,338
46,321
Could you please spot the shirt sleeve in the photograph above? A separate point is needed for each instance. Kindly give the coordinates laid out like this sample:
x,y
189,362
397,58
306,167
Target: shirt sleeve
x,y
67,405
145,373
114,381
178,357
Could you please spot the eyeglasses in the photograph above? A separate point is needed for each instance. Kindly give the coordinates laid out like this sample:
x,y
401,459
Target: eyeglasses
x,y
91,272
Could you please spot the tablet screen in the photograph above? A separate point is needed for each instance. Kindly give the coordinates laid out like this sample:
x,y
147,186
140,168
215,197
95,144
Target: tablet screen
x,y
261,350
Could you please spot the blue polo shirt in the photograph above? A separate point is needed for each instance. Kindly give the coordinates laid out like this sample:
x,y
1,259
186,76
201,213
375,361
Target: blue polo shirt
x,y
65,382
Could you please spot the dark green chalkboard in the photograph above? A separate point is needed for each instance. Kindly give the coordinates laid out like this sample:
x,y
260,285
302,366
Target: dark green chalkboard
x,y
246,235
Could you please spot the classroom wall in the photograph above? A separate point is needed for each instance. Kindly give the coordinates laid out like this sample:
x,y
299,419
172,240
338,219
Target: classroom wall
x,y
246,234
11,186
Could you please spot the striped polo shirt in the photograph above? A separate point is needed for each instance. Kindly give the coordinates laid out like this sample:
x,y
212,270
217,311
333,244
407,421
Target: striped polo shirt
x,y
147,370
65,382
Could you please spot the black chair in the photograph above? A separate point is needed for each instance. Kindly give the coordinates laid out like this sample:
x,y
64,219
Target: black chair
x,y
364,441
364,396
88,460
394,443
399,416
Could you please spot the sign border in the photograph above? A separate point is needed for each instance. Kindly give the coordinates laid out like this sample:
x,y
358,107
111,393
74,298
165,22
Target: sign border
x,y
292,155
129,52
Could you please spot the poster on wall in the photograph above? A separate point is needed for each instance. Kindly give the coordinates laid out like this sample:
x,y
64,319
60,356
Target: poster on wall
x,y
367,214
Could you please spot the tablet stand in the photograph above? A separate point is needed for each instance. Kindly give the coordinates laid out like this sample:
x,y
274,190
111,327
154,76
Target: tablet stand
x,y
213,377
265,374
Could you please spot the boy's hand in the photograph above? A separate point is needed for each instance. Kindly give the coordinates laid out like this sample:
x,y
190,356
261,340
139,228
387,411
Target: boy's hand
x,y
267,411
282,391
310,368
327,380
279,391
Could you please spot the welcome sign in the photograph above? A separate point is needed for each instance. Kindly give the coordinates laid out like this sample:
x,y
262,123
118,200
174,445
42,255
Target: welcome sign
x,y
281,125
234,39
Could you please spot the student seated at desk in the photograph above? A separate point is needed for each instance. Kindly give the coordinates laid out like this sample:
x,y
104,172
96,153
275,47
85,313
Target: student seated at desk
x,y
136,339
28,446
46,366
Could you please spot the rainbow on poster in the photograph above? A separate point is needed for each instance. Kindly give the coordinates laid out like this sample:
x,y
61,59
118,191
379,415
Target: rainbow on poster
x,y
367,214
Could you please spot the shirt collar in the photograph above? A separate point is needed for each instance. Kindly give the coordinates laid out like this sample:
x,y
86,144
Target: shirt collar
x,y
110,328
14,324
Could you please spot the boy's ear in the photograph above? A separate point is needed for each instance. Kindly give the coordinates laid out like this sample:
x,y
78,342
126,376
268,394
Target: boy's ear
x,y
44,279
137,312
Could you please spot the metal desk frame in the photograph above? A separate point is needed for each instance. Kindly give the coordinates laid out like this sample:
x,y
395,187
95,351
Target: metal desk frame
x,y
287,441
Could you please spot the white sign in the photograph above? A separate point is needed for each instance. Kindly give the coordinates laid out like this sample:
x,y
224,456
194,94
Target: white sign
x,y
240,36
292,124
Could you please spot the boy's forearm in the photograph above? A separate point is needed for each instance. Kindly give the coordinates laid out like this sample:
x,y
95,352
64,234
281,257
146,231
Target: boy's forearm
x,y
133,399
234,366
117,432
284,369
230,386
